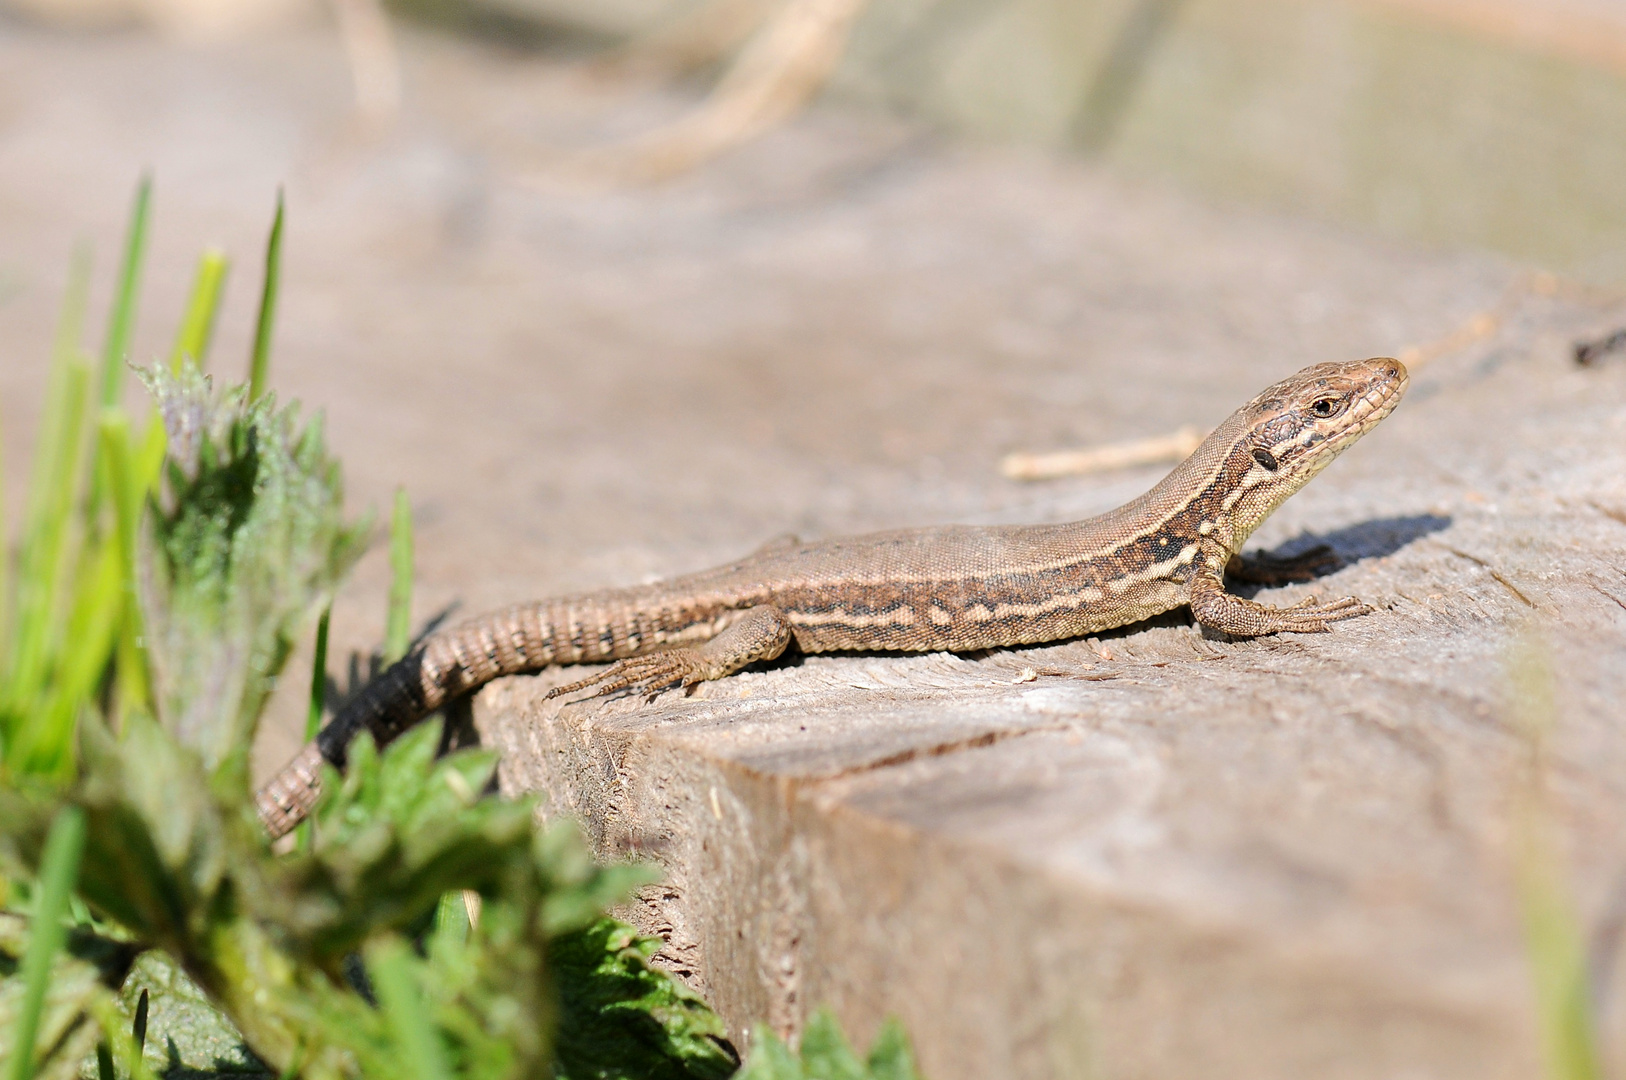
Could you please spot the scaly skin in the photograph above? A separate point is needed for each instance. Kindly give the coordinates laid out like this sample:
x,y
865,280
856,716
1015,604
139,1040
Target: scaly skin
x,y
954,588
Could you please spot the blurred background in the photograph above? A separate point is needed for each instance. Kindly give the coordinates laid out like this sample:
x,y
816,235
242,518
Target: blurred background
x,y
615,288
1488,123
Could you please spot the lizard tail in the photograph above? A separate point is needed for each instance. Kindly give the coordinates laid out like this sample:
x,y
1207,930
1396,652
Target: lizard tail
x,y
386,706
584,629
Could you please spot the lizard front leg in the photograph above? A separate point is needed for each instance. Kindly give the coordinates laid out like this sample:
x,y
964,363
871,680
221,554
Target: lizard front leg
x,y
1217,609
761,633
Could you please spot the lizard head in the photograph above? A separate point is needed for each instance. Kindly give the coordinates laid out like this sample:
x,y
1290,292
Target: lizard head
x,y
1295,428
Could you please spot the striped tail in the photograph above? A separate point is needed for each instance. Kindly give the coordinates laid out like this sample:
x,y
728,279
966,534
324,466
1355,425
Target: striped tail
x,y
527,637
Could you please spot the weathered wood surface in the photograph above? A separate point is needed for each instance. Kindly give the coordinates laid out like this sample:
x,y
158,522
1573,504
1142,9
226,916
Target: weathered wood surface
x,y
1155,853
1275,858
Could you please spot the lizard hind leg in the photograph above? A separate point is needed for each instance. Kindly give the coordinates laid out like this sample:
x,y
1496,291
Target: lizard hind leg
x,y
760,633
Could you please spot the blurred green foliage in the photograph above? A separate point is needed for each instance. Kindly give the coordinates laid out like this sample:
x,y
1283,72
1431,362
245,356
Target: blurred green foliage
x,y
826,1055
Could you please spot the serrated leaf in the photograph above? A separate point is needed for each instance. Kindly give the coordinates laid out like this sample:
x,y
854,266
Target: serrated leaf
x,y
621,1019
248,543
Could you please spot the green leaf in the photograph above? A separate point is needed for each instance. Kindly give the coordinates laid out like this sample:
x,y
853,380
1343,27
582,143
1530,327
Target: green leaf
x,y
249,544
891,1057
313,714
621,1018
826,1055
389,963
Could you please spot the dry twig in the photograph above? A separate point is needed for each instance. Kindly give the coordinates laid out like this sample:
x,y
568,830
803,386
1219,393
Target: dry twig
x,y
1176,446
776,73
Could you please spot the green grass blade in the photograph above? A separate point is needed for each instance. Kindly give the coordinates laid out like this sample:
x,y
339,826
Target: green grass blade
x,y
452,918
390,966
260,362
49,496
5,585
1554,939
313,715
138,1029
122,323
198,325
398,625
128,495
45,745
59,869
41,564
70,326
120,1043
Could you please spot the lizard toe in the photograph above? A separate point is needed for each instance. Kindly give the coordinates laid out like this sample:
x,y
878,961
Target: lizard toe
x,y
646,674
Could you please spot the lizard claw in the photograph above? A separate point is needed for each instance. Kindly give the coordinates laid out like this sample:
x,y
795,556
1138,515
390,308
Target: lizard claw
x,y
1310,616
650,674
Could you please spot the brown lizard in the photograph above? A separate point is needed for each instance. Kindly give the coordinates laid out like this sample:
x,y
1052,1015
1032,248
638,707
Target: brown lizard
x,y
952,588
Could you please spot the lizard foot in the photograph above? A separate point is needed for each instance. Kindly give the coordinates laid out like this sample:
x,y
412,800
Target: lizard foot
x,y
1219,610
648,674
1310,616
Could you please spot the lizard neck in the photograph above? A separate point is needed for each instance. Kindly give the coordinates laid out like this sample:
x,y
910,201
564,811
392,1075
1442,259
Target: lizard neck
x,y
1158,535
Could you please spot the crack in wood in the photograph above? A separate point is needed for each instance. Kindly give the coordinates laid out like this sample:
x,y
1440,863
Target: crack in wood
x,y
937,750
1496,574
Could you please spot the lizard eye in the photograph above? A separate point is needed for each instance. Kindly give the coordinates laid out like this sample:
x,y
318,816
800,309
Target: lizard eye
x,y
1326,408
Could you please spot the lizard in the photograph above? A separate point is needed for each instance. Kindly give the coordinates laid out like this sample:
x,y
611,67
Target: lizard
x,y
947,588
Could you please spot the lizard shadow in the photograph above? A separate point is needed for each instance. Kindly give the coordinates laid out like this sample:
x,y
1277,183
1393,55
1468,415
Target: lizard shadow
x,y
1370,539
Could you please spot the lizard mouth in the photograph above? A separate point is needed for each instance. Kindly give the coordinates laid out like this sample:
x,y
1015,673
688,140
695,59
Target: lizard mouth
x,y
1388,386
